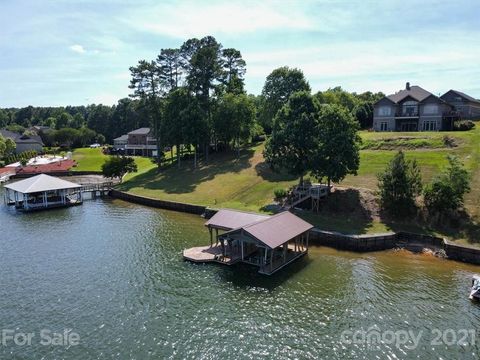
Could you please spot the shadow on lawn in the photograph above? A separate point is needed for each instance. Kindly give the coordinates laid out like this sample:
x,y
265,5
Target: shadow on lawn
x,y
459,226
343,211
174,180
266,173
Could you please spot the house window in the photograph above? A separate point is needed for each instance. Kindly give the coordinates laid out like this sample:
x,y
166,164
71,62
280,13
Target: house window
x,y
383,126
410,108
384,111
430,109
429,126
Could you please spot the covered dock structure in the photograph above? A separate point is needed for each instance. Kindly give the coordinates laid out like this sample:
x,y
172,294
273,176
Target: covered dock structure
x,y
269,242
42,192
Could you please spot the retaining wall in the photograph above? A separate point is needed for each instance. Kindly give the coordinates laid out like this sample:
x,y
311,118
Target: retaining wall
x,y
358,243
162,204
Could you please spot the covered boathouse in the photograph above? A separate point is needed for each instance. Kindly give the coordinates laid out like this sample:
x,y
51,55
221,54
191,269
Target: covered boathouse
x,y
269,242
42,192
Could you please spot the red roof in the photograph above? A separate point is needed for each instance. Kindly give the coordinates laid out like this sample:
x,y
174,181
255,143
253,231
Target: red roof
x,y
278,229
59,166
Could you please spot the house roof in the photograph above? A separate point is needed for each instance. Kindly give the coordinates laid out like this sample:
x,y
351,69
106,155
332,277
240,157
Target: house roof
x,y
121,138
41,183
141,131
414,91
465,96
227,219
21,139
277,229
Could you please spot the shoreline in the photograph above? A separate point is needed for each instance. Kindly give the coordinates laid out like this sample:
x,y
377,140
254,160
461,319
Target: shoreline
x,y
356,243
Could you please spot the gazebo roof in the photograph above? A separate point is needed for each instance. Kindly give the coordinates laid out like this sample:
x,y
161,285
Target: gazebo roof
x,y
227,219
41,183
276,230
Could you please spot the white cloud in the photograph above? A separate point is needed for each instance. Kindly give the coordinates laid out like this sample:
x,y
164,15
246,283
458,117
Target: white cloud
x,y
77,48
195,19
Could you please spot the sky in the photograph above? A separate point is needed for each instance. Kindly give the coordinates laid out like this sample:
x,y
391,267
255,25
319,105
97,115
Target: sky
x,y
57,53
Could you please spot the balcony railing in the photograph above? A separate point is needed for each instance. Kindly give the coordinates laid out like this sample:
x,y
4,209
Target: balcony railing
x,y
406,113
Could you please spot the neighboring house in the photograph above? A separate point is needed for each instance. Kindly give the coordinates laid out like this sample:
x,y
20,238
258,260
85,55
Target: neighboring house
x,y
467,106
416,109
137,142
40,129
120,142
24,142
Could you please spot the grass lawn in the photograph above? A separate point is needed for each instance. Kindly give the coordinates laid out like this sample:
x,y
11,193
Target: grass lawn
x,y
248,183
92,159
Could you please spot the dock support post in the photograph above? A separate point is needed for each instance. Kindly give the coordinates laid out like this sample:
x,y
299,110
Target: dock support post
x,y
211,236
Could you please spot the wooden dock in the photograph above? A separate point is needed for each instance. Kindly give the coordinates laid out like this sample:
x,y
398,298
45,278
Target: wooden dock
x,y
204,254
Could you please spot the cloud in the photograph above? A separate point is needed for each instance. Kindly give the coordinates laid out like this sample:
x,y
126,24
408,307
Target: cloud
x,y
194,19
77,48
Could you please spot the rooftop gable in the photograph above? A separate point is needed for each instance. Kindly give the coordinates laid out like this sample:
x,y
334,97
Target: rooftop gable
x,y
41,183
140,131
463,95
227,219
277,229
415,92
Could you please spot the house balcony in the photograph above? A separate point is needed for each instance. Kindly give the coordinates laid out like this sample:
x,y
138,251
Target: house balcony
x,y
407,114
140,147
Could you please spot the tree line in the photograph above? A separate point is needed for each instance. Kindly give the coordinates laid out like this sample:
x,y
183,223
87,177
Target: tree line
x,y
194,98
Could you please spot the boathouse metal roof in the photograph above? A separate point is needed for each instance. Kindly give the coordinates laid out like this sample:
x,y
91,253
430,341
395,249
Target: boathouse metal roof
x,y
41,183
277,229
226,219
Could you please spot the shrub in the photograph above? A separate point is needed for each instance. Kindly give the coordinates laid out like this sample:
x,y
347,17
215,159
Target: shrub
x,y
463,125
117,166
280,194
446,192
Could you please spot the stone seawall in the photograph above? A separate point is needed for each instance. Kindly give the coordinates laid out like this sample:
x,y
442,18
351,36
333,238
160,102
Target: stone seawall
x,y
410,241
358,243
162,204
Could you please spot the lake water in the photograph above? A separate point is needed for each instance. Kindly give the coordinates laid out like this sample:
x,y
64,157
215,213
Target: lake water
x,y
113,273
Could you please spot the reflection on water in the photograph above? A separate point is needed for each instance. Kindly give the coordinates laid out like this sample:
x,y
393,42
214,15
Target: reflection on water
x,y
113,273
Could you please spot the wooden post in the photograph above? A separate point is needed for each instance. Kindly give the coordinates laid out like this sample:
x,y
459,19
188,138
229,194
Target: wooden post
x,y
211,236
271,259
308,235
241,242
216,235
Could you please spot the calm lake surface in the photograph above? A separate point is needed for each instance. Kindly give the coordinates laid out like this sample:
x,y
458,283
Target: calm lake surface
x,y
113,273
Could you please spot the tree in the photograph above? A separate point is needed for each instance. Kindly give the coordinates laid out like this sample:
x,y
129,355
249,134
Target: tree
x,y
234,118
170,65
446,192
10,147
363,112
235,68
337,96
64,120
146,85
78,121
66,136
294,141
339,152
399,185
279,85
118,166
3,147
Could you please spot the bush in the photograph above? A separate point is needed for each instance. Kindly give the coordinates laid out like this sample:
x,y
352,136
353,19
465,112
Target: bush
x,y
446,192
463,125
280,194
117,166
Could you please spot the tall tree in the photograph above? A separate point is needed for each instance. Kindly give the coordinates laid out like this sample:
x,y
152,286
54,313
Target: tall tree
x,y
279,86
339,152
294,141
146,85
234,118
170,64
235,68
